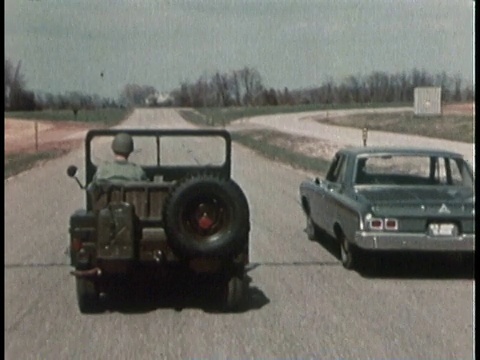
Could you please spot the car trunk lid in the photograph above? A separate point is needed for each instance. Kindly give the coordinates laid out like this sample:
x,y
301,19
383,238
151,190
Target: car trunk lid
x,y
438,200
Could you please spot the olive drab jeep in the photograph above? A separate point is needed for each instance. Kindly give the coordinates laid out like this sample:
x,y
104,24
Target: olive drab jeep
x,y
189,218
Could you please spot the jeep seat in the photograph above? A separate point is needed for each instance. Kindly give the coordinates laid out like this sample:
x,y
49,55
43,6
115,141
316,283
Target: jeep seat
x,y
147,198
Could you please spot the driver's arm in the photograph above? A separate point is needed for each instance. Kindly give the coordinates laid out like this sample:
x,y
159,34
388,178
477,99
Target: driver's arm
x,y
143,175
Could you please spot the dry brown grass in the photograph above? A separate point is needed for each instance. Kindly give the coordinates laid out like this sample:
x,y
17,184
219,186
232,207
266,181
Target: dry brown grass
x,y
20,135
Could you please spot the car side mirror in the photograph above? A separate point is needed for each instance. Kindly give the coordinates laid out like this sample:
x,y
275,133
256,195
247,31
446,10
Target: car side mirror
x,y
72,171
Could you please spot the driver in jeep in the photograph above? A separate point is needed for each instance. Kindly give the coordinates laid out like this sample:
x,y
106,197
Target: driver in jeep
x,y
121,168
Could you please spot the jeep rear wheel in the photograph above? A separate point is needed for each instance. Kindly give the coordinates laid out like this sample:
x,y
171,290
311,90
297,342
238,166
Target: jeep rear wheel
x,y
234,293
206,216
88,296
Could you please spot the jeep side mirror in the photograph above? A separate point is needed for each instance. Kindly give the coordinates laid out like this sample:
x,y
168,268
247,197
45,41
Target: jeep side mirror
x,y
72,171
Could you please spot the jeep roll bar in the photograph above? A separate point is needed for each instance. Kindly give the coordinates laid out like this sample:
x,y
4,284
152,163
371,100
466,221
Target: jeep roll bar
x,y
168,172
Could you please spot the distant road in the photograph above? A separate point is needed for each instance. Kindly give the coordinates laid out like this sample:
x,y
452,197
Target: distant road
x,y
301,303
301,124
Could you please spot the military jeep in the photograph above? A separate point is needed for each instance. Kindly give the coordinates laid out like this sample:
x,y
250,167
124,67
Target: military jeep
x,y
189,217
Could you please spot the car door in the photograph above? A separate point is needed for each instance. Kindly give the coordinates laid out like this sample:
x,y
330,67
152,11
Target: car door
x,y
321,203
334,185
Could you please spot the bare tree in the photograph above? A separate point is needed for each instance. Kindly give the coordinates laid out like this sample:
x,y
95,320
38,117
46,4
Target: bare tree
x,y
184,98
49,101
240,87
136,95
469,93
75,101
222,85
330,91
237,88
287,98
9,73
199,92
443,81
380,88
354,87
17,95
457,92
245,87
252,82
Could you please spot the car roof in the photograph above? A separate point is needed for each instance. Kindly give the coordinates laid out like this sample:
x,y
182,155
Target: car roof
x,y
390,150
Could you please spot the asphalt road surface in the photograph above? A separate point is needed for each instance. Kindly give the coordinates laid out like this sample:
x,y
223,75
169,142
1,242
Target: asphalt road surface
x,y
301,302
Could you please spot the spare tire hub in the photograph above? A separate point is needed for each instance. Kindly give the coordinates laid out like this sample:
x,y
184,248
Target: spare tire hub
x,y
205,222
206,219
206,216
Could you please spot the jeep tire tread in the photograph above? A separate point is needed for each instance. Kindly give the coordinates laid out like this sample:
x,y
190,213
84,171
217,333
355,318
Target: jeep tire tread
x,y
88,296
234,293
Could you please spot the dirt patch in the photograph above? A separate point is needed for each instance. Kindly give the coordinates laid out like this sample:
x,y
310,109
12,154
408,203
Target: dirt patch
x,y
51,135
307,146
459,108
455,124
304,145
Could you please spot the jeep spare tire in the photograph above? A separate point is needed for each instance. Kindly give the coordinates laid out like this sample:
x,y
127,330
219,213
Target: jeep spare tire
x,y
206,216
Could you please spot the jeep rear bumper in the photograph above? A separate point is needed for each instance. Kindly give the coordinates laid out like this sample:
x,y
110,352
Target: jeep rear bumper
x,y
413,242
95,272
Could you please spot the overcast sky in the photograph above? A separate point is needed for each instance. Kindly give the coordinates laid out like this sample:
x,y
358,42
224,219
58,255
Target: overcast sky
x,y
65,45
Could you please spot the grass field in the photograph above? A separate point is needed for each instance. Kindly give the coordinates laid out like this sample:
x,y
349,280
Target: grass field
x,y
279,146
108,117
15,163
449,127
224,116
274,145
455,127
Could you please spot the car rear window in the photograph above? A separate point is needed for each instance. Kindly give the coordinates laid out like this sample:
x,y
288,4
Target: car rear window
x,y
410,170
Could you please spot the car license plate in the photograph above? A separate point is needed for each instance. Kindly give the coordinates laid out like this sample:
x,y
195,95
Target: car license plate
x,y
443,229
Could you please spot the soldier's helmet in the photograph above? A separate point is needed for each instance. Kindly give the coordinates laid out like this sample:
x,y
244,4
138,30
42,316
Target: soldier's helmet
x,y
122,144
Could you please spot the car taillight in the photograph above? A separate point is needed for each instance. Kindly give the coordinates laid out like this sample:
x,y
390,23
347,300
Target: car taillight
x,y
391,224
376,224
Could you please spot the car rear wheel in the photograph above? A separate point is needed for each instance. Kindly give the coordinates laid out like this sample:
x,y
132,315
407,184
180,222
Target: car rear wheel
x,y
311,229
348,254
88,296
463,260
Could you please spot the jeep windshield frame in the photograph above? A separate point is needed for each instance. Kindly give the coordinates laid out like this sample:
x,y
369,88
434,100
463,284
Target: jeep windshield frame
x,y
167,172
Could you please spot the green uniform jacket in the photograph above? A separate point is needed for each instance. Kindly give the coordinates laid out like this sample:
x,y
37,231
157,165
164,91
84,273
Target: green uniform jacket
x,y
120,170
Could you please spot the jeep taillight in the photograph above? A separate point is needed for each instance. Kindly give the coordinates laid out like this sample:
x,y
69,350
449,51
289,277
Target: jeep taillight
x,y
76,244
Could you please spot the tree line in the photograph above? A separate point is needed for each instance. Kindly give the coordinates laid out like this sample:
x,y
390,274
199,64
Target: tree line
x,y
19,98
243,87
16,94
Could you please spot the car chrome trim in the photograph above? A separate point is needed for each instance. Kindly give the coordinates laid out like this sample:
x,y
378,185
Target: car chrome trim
x,y
414,242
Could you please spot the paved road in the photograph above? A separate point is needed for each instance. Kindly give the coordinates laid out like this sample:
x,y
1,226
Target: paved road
x,y
302,124
302,303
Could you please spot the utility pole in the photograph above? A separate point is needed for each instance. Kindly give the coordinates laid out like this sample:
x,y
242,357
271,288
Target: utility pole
x,y
36,136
